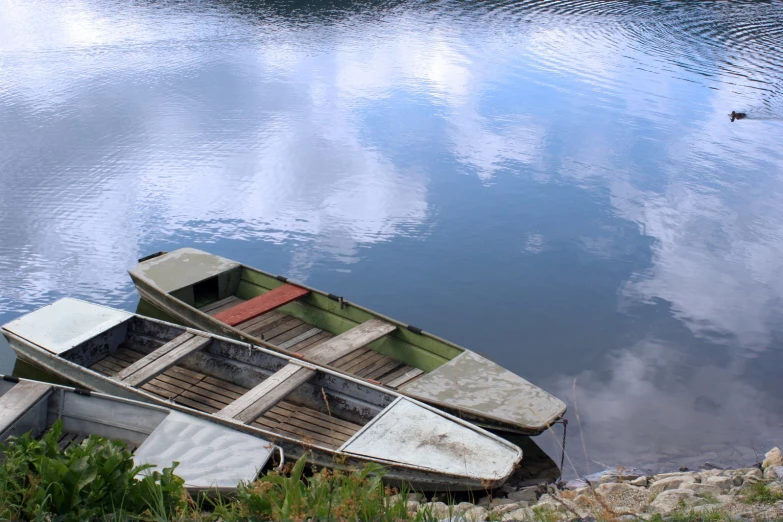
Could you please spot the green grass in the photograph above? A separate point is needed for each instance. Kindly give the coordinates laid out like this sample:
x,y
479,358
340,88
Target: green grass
x,y
97,480
759,493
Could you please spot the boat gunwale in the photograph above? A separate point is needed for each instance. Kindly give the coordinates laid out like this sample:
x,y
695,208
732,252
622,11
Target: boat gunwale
x,y
275,436
502,423
132,402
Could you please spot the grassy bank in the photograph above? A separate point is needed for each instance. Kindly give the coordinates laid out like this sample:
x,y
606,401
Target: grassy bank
x,y
97,480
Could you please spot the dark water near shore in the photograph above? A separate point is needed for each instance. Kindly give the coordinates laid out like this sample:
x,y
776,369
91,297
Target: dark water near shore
x,y
555,184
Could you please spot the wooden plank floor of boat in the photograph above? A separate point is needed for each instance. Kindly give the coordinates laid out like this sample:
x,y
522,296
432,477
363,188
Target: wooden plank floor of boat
x,y
279,329
209,394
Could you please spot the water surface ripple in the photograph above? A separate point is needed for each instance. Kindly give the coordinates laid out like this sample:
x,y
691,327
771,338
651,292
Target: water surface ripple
x,y
553,183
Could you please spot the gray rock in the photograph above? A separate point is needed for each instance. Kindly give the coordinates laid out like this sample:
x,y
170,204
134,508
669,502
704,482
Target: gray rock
x,y
723,483
500,502
417,496
775,488
773,458
661,476
437,510
413,506
703,489
522,514
508,508
461,508
706,509
669,500
640,482
622,497
725,499
524,495
671,482
617,474
754,473
475,514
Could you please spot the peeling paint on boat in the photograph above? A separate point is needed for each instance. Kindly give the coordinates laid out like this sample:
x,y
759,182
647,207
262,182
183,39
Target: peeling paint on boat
x,y
472,382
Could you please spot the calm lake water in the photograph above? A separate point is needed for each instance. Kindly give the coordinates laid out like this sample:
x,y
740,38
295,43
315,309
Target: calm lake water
x,y
555,184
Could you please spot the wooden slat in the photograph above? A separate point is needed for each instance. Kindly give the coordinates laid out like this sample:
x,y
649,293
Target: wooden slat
x,y
299,338
269,392
262,304
370,369
154,356
359,364
299,329
20,398
145,369
357,337
405,378
269,333
310,343
260,321
217,306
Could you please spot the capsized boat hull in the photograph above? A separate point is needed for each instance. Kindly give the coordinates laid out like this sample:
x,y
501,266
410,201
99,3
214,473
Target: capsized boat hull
x,y
431,467
451,378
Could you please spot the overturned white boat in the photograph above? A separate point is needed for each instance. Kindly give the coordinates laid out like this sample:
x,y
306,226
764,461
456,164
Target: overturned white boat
x,y
211,457
278,397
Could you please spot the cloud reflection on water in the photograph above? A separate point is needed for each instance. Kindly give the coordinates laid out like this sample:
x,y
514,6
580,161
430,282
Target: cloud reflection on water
x,y
170,125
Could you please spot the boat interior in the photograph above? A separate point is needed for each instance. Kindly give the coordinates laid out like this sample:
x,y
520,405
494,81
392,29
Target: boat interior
x,y
232,380
31,406
298,320
209,455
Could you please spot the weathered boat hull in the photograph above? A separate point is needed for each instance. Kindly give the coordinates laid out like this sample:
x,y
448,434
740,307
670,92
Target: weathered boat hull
x,y
419,477
211,458
457,380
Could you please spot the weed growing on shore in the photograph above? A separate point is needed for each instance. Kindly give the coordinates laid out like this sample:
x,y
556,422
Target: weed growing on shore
x,y
84,481
759,493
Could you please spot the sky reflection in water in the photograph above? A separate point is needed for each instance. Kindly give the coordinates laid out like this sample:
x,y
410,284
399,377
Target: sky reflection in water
x,y
553,184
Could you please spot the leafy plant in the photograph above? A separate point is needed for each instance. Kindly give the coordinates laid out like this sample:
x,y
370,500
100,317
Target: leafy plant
x,y
84,481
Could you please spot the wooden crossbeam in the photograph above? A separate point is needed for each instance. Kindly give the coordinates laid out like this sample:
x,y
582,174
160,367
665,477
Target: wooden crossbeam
x,y
15,402
276,387
157,362
265,395
262,304
329,351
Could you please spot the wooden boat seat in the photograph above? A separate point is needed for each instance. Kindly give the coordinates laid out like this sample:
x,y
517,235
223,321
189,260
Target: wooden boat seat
x,y
267,394
162,359
19,399
262,304
210,394
357,337
280,384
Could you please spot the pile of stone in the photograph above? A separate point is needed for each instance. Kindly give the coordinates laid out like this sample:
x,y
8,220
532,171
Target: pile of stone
x,y
627,494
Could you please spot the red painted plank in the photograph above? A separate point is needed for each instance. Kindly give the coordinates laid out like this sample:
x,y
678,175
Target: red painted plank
x,y
262,304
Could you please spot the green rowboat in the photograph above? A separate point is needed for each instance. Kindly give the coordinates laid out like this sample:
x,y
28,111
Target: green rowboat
x,y
228,298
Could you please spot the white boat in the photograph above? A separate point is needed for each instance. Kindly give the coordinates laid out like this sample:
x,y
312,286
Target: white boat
x,y
211,457
342,421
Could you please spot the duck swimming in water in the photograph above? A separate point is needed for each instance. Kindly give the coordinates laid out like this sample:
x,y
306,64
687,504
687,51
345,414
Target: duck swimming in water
x,y
737,116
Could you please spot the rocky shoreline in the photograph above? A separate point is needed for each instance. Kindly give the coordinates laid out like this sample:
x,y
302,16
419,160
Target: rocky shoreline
x,y
626,494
